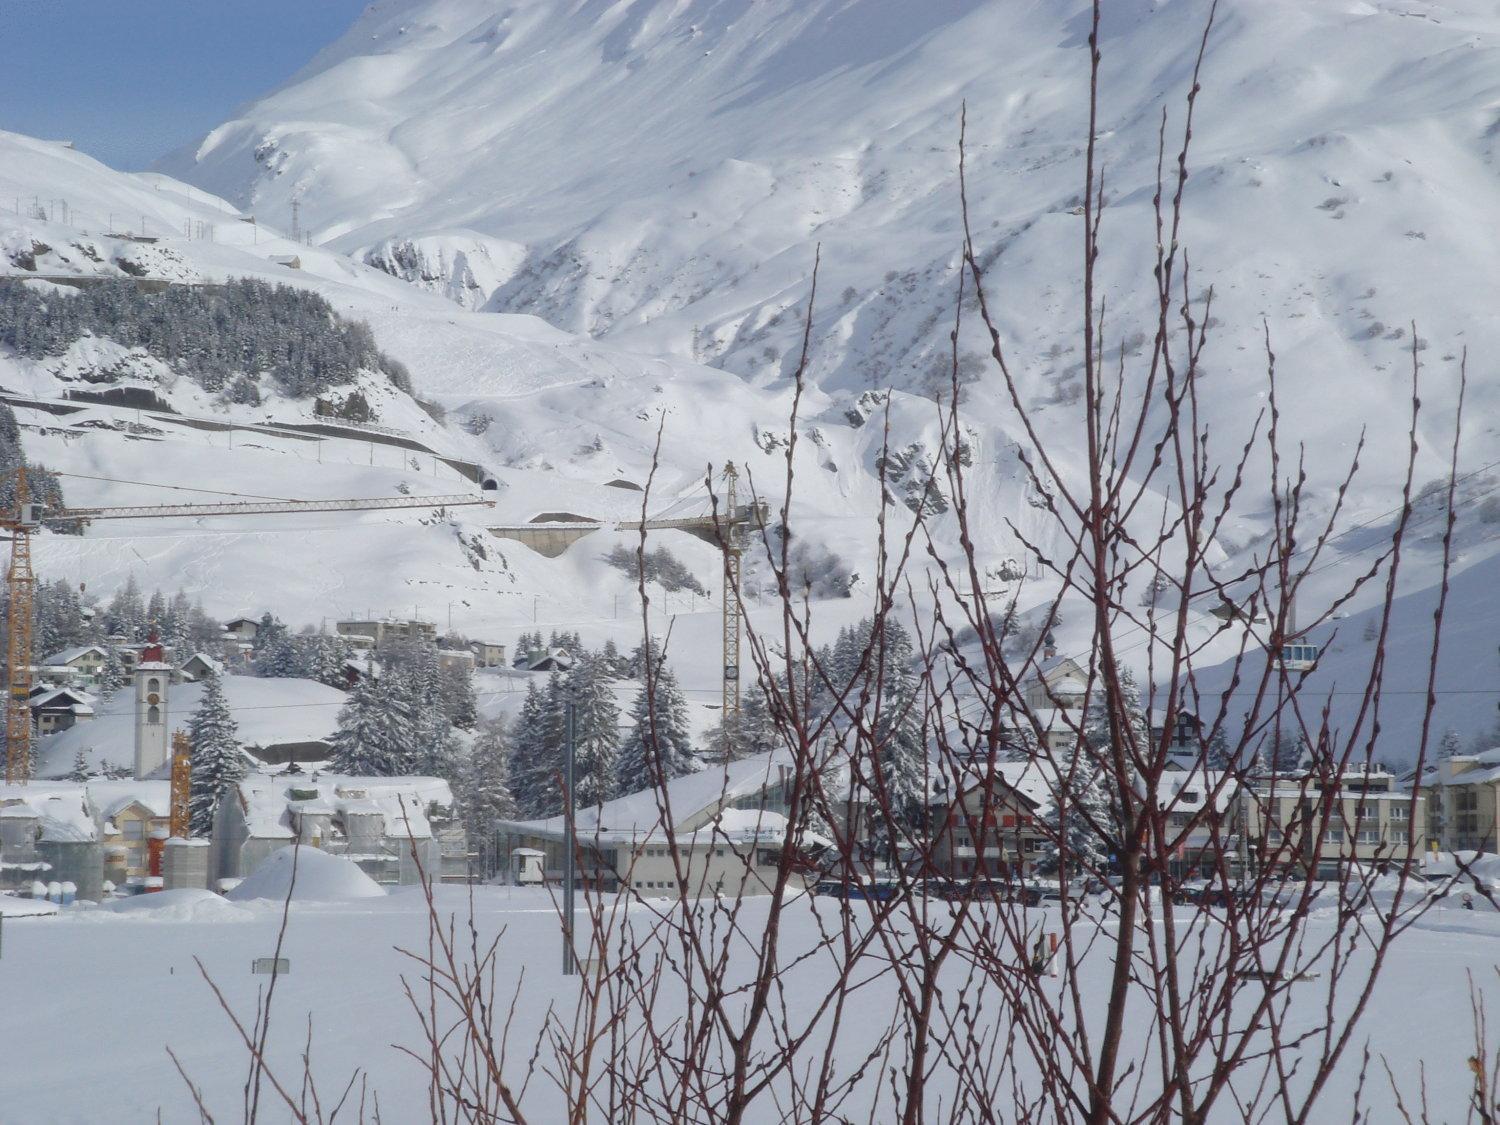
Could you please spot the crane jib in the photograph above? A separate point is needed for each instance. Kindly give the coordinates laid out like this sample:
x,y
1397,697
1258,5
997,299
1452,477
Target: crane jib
x,y
263,507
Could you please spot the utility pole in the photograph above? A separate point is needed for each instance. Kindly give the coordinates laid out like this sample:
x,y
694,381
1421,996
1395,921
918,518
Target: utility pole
x,y
570,961
731,703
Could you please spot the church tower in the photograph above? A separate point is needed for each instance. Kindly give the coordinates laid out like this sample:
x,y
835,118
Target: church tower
x,y
153,679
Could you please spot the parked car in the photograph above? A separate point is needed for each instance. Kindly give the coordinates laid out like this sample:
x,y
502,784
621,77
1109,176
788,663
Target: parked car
x,y
868,890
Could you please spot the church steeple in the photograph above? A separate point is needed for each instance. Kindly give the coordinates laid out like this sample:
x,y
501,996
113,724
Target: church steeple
x,y
153,681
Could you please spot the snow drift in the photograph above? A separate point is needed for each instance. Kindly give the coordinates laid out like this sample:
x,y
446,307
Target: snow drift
x,y
319,877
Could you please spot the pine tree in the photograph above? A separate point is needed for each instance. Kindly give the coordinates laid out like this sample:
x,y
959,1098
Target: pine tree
x,y
659,747
483,790
156,615
531,768
456,688
1287,751
280,658
80,770
596,733
1218,751
216,758
268,630
901,751
376,734
614,663
437,747
113,676
1449,745
647,652
177,631
1077,824
127,613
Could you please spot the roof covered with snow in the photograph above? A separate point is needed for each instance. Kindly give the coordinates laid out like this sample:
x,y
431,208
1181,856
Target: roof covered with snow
x,y
268,712
692,800
68,655
268,801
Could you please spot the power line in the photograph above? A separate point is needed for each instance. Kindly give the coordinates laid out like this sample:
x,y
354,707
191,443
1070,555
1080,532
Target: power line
x,y
170,487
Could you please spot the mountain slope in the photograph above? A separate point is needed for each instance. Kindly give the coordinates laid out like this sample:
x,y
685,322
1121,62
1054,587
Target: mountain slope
x,y
660,171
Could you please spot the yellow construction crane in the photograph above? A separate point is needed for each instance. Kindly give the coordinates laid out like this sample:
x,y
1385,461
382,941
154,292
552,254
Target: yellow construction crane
x,y
733,554
180,815
21,583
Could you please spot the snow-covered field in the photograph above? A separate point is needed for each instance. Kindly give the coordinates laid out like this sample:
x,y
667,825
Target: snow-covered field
x,y
122,983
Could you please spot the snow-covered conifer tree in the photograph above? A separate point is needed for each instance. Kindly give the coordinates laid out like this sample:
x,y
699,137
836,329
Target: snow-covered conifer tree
x,y
281,658
483,789
659,746
530,768
376,735
596,732
1077,823
456,687
127,612
1218,751
1449,745
80,770
216,757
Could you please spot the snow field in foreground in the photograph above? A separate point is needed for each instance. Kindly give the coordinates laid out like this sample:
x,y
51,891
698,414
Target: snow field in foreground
x,y
60,975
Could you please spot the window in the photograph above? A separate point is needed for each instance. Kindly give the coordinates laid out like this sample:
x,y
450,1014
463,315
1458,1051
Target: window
x,y
1335,834
1369,835
153,715
153,684
134,829
1398,814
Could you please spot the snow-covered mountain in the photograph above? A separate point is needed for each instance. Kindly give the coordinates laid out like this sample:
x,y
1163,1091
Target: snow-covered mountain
x,y
659,172
550,211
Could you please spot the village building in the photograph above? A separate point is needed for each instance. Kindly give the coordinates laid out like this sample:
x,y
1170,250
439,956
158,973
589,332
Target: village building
x,y
1464,792
49,834
198,665
59,708
1058,682
242,628
1185,741
728,824
1202,822
386,631
987,824
455,660
134,821
82,666
488,654
544,660
1303,823
394,828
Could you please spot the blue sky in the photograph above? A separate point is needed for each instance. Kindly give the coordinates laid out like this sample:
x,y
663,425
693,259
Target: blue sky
x,y
129,80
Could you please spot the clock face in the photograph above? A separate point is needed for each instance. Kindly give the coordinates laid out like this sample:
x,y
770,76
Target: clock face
x,y
153,698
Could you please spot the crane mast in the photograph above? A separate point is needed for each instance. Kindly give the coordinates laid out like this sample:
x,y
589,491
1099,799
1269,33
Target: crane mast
x,y
180,811
20,584
21,587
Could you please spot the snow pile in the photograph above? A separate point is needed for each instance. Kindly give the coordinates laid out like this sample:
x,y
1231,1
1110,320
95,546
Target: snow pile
x,y
320,877
185,904
14,907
